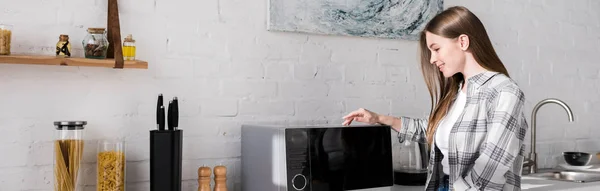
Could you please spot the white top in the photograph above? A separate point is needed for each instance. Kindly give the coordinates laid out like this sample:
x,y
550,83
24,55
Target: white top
x,y
442,134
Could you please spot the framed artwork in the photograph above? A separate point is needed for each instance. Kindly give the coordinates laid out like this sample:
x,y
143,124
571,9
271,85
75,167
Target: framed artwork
x,y
391,19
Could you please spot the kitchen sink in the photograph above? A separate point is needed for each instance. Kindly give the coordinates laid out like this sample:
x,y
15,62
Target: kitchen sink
x,y
567,175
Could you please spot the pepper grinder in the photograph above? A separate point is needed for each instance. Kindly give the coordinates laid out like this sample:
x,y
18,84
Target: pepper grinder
x,y
204,178
220,178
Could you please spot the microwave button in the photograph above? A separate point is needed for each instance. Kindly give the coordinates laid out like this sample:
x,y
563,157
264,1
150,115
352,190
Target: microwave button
x,y
299,182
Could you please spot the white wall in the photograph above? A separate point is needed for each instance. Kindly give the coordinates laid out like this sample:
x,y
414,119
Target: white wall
x,y
217,57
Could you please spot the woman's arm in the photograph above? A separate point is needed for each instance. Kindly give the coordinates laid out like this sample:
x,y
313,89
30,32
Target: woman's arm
x,y
394,122
414,129
506,128
407,128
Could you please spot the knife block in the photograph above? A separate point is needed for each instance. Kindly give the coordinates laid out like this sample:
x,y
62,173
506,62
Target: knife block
x,y
166,148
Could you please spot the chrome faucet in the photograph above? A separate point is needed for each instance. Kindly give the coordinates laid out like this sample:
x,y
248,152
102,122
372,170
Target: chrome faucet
x,y
532,162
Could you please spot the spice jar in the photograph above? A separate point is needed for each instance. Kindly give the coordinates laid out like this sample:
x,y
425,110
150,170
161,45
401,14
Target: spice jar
x,y
5,36
63,47
129,48
68,152
111,166
95,43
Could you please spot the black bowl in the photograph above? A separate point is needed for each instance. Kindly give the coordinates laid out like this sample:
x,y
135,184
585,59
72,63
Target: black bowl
x,y
577,158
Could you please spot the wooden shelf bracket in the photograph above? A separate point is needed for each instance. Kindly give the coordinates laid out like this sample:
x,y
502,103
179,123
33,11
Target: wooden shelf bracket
x,y
115,50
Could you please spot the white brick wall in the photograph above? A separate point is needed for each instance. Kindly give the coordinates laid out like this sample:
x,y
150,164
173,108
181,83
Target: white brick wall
x,y
226,69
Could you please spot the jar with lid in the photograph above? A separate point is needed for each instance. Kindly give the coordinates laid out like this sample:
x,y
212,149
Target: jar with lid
x,y
95,43
111,165
5,38
63,46
68,153
129,48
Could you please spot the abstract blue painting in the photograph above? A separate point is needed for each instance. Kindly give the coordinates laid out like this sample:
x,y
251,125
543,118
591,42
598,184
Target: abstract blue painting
x,y
392,19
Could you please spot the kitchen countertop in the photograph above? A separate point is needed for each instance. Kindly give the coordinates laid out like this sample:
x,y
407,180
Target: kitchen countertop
x,y
531,184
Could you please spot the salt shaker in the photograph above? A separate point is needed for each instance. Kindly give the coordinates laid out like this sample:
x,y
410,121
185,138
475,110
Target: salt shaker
x,y
204,178
220,178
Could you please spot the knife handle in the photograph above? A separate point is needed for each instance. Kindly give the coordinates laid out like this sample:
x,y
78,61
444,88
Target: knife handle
x,y
161,118
159,104
170,116
175,113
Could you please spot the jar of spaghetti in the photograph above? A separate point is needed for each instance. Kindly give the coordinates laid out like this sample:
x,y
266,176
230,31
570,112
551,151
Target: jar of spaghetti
x,y
68,153
111,166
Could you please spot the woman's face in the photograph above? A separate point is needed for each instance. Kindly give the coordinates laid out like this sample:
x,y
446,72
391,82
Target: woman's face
x,y
448,55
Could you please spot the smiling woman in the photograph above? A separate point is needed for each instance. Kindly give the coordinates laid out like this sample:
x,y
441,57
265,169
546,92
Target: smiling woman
x,y
476,125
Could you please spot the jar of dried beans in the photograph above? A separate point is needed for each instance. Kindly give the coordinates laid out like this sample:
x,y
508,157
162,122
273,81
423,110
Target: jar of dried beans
x,y
95,44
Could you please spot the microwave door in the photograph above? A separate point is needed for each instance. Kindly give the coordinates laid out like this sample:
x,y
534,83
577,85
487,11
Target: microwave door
x,y
350,159
319,165
325,171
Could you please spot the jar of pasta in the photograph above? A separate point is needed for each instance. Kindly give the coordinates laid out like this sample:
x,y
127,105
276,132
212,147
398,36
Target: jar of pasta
x,y
5,36
68,153
111,165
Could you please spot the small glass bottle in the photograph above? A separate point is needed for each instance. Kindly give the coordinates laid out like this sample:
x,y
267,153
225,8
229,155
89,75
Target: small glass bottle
x,y
68,154
5,36
63,47
111,166
129,48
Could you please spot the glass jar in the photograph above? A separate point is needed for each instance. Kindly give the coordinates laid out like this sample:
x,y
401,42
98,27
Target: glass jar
x,y
63,47
129,48
68,153
111,166
5,37
95,44
411,158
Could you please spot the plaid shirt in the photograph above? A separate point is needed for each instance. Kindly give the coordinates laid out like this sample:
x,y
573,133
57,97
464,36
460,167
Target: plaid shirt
x,y
486,142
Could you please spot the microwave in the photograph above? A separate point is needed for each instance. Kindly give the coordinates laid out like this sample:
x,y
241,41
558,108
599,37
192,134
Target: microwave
x,y
316,158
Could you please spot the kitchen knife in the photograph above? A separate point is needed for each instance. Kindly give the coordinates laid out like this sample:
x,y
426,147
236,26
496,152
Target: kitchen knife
x,y
175,113
160,117
170,116
161,121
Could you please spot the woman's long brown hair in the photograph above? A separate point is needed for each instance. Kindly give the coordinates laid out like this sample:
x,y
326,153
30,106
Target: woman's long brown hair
x,y
452,23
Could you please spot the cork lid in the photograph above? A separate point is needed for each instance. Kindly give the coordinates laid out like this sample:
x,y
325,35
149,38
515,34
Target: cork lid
x,y
96,30
129,38
63,37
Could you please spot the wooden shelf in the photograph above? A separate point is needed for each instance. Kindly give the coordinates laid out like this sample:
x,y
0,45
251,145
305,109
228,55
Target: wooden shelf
x,y
114,54
53,60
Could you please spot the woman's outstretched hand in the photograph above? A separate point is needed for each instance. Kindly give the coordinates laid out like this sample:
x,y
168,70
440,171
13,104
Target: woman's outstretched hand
x,y
361,115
